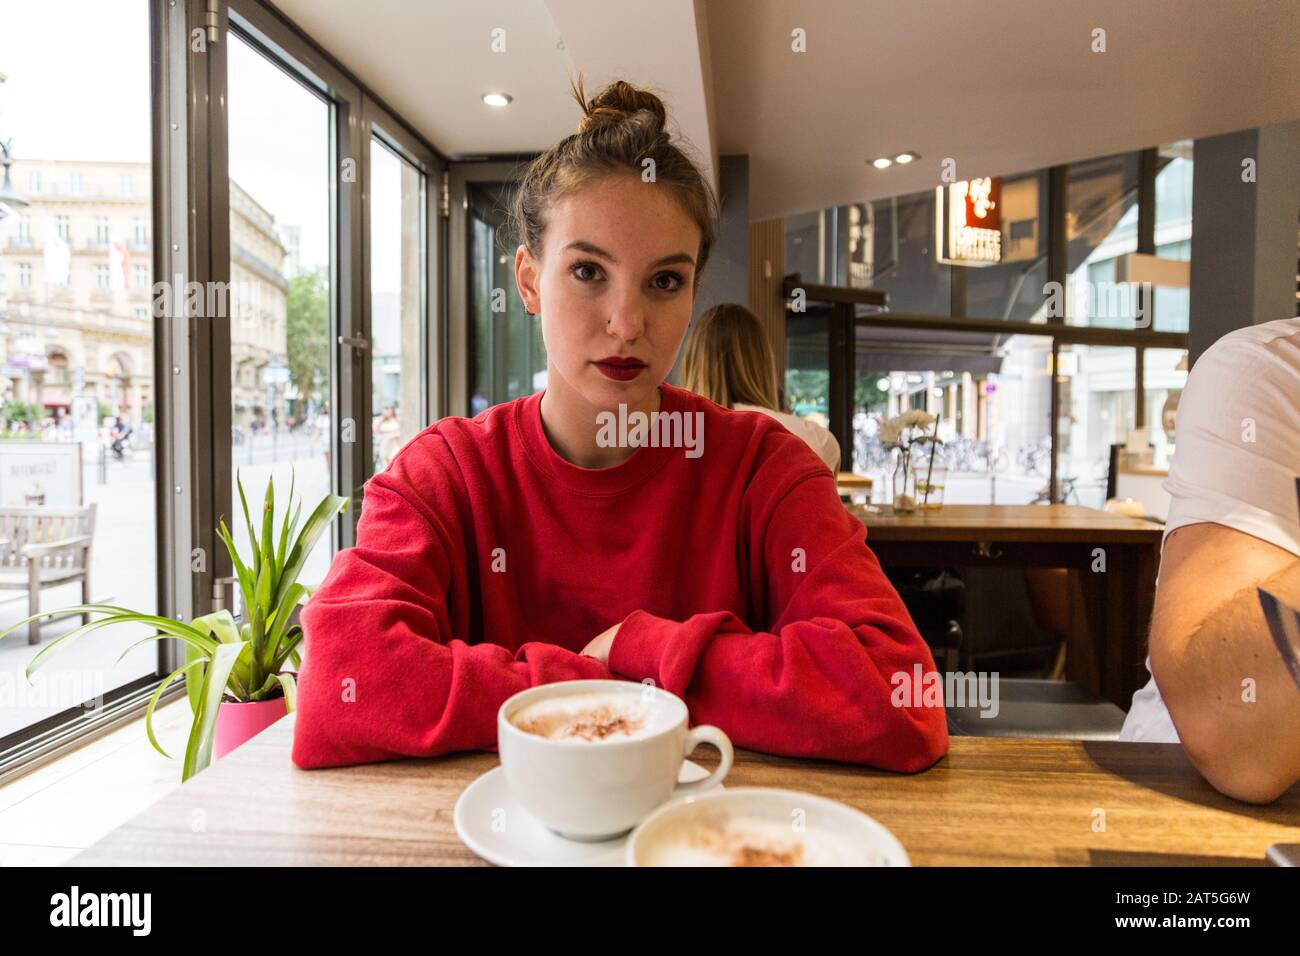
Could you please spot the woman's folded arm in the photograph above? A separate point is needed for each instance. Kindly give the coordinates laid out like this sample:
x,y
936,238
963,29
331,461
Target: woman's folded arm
x,y
825,679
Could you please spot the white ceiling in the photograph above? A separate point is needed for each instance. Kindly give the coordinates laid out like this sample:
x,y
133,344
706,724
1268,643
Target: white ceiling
x,y
999,86
432,61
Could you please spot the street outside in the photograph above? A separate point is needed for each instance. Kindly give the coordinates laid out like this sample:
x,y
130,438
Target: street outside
x,y
123,572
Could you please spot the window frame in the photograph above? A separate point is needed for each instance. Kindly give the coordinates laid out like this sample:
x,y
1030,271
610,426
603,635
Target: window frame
x,y
189,227
841,357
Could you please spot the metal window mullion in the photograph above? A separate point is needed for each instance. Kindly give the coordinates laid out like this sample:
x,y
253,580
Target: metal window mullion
x,y
193,160
214,479
1146,243
1058,248
363,364
440,251
172,371
349,313
433,310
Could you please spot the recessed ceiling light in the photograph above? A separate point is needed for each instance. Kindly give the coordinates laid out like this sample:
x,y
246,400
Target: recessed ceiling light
x,y
882,162
906,157
497,99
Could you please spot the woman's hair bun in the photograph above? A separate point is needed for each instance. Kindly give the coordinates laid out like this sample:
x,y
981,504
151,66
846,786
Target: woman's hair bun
x,y
615,103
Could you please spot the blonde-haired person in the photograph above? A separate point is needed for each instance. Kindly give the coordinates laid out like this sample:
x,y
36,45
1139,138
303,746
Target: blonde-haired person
x,y
728,359
523,547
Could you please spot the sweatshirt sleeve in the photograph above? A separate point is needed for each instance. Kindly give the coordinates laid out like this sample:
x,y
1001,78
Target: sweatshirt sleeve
x,y
383,675
824,680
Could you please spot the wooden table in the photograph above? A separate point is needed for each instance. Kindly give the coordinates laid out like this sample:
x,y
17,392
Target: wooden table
x,y
1108,639
851,485
851,479
994,801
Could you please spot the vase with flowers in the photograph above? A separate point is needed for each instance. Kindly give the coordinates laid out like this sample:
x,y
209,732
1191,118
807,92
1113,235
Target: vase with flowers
x,y
906,433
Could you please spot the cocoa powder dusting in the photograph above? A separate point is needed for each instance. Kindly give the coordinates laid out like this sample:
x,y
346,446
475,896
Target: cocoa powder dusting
x,y
716,836
767,856
596,724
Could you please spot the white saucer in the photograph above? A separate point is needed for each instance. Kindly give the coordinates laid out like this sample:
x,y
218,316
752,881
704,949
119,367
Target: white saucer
x,y
520,839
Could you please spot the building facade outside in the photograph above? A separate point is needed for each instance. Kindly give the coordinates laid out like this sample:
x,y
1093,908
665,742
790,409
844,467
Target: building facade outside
x,y
258,313
76,271
76,298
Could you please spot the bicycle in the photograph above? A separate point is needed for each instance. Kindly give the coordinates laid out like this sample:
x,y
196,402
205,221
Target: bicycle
x,y
1032,457
1068,492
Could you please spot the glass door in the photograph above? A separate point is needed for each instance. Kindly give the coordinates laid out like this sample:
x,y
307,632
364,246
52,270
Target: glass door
x,y
401,322
507,356
501,344
280,317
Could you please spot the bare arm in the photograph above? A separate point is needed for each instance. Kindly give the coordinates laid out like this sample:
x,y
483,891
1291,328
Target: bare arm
x,y
1208,639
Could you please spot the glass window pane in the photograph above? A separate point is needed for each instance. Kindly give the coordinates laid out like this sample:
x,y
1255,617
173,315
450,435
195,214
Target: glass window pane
x,y
280,295
1164,373
76,340
1097,410
1173,231
892,245
1013,288
889,244
396,252
1142,473
992,398
807,379
1101,226
803,246
508,356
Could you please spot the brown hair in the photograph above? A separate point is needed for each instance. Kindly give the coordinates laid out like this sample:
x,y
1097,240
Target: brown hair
x,y
621,127
728,359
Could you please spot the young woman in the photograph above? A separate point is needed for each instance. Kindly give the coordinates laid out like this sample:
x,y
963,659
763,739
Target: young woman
x,y
523,546
728,360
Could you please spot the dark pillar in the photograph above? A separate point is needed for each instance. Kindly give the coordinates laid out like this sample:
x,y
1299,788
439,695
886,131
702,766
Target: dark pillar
x,y
1243,233
726,276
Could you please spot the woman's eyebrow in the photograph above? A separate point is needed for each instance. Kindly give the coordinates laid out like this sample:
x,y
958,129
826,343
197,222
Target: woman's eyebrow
x,y
592,249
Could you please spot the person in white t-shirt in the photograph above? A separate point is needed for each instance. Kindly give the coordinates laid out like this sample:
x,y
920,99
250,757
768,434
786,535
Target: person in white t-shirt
x,y
728,359
1219,683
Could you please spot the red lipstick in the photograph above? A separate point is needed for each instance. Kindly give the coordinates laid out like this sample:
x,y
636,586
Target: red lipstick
x,y
620,368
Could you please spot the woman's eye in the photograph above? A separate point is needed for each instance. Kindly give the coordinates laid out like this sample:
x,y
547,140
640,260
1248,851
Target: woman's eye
x,y
667,281
584,271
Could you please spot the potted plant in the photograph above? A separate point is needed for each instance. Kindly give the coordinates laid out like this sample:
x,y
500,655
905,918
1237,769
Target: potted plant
x,y
236,674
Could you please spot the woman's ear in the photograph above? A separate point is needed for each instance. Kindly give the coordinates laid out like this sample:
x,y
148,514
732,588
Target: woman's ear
x,y
527,278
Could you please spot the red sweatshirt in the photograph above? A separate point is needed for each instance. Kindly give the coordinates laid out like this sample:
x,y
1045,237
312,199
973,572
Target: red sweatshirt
x,y
485,563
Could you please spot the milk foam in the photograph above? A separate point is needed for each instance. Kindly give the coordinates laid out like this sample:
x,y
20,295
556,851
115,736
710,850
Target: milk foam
x,y
724,839
597,717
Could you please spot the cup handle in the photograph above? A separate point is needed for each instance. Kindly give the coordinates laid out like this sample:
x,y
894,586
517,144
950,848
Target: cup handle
x,y
706,734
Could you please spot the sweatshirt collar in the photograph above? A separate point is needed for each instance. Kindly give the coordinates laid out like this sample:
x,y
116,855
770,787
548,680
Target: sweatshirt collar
x,y
636,468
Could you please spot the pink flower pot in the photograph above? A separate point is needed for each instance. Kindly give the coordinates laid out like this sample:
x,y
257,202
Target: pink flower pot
x,y
237,723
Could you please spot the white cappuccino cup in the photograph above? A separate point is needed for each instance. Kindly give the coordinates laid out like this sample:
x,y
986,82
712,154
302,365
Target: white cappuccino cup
x,y
591,758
